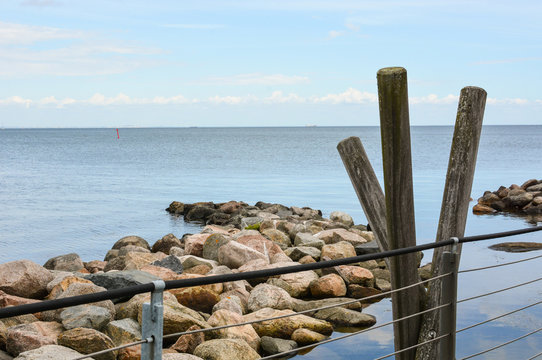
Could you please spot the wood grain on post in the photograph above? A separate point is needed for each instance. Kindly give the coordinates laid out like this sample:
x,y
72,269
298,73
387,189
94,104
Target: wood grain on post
x,y
367,188
455,202
396,155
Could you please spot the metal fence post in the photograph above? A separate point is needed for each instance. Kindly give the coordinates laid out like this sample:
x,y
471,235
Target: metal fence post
x,y
153,323
449,295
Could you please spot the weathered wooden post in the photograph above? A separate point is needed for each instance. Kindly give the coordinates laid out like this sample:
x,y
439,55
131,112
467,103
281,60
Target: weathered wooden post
x,y
396,156
397,229
455,204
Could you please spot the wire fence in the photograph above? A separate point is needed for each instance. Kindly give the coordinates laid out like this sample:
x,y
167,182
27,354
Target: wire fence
x,y
152,341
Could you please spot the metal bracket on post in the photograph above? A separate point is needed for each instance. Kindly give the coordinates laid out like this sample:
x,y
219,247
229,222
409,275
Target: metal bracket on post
x,y
153,323
449,295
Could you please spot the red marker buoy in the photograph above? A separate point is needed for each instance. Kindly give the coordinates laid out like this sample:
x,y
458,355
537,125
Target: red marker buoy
x,y
118,137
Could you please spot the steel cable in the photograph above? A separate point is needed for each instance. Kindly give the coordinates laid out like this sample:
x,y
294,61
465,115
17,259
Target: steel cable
x,y
498,291
535,356
352,334
497,317
308,310
112,349
413,346
499,265
503,344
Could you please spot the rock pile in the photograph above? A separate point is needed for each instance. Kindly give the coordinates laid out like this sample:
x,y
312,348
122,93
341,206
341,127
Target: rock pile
x,y
525,200
248,238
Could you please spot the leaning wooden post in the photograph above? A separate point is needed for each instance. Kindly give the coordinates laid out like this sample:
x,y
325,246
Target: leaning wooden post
x,y
396,155
365,183
455,204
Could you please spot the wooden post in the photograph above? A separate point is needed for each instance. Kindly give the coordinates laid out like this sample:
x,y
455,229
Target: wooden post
x,y
396,155
455,202
367,188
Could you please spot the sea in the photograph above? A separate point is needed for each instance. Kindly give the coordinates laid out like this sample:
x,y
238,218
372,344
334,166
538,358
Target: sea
x,y
80,190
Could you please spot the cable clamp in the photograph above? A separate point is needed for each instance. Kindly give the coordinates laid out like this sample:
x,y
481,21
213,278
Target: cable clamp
x,y
454,245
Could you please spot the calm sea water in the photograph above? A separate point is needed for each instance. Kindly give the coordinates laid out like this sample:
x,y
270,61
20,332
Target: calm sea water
x,y
80,190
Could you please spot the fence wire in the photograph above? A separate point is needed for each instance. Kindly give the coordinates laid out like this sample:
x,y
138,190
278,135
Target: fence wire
x,y
498,317
499,265
535,356
310,310
120,347
503,344
352,334
498,291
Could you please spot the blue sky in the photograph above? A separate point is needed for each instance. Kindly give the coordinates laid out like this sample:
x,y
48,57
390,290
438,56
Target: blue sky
x,y
262,63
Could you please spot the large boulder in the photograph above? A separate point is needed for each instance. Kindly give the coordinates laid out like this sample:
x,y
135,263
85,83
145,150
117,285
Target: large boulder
x,y
86,316
24,278
178,318
88,341
299,252
121,279
278,237
340,250
68,262
50,352
123,331
355,275
12,300
131,240
166,243
306,337
234,254
341,217
193,244
226,349
307,239
271,346
26,337
170,262
269,296
58,287
336,235
344,317
243,332
200,298
190,261
132,308
137,260
212,244
296,284
189,342
330,285
284,327
261,244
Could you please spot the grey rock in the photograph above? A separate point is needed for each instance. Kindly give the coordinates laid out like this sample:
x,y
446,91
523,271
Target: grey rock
x,y
271,346
5,356
345,317
269,296
171,262
231,303
170,356
226,349
121,279
307,239
341,217
296,253
131,240
212,244
50,352
86,316
370,247
123,331
189,261
123,251
68,262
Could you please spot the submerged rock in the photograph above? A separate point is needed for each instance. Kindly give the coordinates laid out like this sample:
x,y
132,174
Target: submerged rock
x,y
517,246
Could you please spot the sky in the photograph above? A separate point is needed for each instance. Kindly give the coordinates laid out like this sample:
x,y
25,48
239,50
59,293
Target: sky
x,y
262,63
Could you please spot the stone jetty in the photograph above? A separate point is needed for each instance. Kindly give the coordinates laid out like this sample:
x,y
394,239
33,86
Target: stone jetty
x,y
524,200
235,237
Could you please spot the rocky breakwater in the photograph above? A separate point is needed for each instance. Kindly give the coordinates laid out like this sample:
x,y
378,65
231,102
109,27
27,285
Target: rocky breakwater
x,y
524,200
250,238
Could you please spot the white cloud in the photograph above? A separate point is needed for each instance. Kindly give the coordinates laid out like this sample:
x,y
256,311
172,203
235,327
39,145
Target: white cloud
x,y
277,97
16,100
335,33
68,52
259,79
507,101
19,34
350,96
195,26
434,99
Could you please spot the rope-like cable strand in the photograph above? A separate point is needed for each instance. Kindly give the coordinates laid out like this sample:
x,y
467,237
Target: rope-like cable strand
x,y
112,349
413,346
498,317
352,334
498,291
306,311
499,265
503,344
535,356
